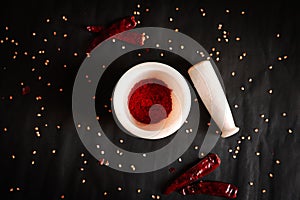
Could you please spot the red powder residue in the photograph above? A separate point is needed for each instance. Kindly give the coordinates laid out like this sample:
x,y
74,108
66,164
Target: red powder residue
x,y
150,101
25,90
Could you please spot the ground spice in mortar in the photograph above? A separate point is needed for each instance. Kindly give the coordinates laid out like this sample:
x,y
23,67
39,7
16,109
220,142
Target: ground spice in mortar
x,y
150,101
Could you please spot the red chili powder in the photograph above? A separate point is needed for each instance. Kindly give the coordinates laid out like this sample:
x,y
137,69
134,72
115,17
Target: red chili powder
x,y
150,101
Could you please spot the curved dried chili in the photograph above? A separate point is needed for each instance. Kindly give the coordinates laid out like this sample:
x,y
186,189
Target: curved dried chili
x,y
212,188
204,167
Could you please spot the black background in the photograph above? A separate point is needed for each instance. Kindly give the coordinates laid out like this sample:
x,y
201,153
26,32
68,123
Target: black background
x,y
58,175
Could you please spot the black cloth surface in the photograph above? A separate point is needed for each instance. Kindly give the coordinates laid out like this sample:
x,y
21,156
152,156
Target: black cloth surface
x,y
43,44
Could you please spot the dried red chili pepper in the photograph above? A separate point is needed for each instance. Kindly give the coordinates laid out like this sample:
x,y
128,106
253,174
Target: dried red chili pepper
x,y
131,38
208,164
212,188
150,101
117,27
